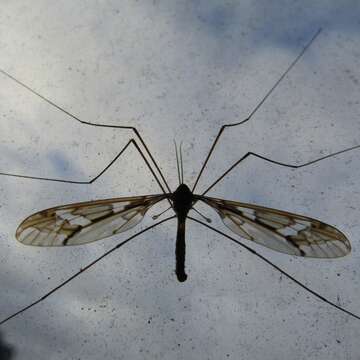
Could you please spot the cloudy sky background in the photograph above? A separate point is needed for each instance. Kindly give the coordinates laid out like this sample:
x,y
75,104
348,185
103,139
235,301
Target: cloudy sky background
x,y
179,70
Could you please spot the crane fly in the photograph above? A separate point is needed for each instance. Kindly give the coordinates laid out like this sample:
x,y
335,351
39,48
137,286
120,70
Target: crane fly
x,y
85,222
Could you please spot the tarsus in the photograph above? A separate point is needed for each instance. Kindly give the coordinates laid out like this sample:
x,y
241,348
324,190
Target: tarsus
x,y
278,269
131,141
256,107
91,124
83,269
277,163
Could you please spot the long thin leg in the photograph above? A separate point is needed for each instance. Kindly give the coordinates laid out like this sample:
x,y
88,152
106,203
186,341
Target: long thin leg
x,y
83,269
277,163
91,124
131,141
278,269
257,107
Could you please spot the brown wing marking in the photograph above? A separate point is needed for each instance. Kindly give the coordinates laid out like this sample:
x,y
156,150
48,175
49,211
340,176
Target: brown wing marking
x,y
280,230
84,222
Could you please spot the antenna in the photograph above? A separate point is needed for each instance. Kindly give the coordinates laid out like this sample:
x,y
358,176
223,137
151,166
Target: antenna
x,y
177,162
181,163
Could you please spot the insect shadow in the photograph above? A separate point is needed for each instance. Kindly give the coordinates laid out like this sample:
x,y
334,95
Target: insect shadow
x,y
7,351
84,222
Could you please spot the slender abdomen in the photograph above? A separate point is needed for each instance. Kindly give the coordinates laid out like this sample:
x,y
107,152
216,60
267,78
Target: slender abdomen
x,y
180,250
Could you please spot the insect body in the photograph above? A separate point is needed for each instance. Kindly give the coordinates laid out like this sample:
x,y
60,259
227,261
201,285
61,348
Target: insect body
x,y
182,202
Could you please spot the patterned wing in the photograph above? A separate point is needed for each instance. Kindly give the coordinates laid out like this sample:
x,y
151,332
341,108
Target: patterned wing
x,y
84,222
280,230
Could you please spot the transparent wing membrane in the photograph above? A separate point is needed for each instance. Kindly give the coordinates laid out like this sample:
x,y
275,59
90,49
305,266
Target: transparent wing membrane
x,y
280,230
84,222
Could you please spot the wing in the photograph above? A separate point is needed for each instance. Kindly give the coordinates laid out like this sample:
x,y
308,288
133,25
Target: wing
x,y
84,222
280,230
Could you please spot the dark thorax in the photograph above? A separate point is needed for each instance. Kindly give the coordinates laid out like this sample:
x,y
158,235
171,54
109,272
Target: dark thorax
x,y
182,199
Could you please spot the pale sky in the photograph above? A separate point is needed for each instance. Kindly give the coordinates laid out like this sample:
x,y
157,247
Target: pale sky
x,y
179,70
